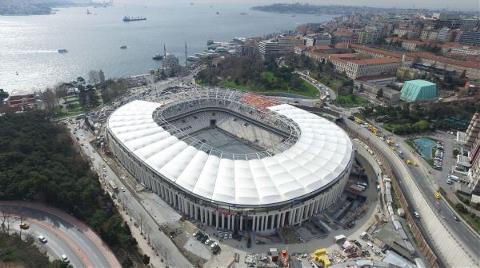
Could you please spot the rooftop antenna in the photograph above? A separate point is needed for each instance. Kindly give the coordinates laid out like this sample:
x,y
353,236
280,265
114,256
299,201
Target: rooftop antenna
x,y
164,55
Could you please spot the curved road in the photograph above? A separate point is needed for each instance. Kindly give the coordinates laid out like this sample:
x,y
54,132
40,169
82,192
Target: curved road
x,y
65,234
450,249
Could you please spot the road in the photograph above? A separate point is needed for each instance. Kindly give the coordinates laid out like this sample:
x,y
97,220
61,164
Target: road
x,y
65,234
428,186
429,179
450,249
132,203
320,87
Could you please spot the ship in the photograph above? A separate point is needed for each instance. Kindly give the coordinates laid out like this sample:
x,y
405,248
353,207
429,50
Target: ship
x,y
158,56
62,51
128,18
123,47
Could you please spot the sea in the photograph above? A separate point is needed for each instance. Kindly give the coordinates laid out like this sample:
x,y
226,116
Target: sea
x,y
29,58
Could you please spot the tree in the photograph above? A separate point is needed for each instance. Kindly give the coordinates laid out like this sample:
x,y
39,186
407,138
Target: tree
x,y
380,93
3,95
82,96
146,259
50,99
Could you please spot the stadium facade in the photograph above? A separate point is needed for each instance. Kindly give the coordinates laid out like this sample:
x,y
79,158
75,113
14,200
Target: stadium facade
x,y
233,160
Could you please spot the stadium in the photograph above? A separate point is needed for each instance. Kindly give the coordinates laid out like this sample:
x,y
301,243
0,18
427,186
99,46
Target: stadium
x,y
232,160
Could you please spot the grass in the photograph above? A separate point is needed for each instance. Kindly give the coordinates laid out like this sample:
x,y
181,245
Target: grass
x,y
15,250
352,101
306,89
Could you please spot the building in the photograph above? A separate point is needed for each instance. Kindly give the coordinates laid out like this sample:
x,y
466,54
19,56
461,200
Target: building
x,y
411,45
464,50
471,139
279,46
368,36
356,66
322,39
343,36
472,68
418,90
372,87
444,35
22,102
280,166
470,38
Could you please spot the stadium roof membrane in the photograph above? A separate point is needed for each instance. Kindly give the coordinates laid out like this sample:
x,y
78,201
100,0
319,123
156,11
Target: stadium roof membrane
x,y
320,156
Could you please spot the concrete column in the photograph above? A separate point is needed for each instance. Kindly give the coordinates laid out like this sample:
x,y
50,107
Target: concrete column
x,y
241,222
202,216
216,219
195,212
265,223
229,221
210,216
254,222
262,219
272,223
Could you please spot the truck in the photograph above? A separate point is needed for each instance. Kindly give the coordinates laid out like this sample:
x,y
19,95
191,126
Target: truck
x,y
113,186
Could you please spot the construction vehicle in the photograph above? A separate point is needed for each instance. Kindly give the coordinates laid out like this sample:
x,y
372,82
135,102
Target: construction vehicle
x,y
358,120
284,259
320,256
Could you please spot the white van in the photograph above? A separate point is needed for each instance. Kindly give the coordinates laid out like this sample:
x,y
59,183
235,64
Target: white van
x,y
453,177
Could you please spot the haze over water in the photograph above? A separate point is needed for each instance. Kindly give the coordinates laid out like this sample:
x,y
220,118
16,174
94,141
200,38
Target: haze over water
x,y
29,44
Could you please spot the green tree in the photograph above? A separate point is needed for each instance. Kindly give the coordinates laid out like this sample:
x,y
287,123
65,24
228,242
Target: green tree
x,y
380,93
3,95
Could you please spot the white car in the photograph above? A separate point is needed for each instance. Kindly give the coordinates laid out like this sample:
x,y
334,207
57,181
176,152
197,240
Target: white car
x,y
42,239
65,258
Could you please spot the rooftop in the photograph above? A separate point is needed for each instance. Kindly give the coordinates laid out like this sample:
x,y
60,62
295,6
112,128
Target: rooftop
x,y
321,155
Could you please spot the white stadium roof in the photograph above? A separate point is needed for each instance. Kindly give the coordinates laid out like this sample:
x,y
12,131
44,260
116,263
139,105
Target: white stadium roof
x,y
321,155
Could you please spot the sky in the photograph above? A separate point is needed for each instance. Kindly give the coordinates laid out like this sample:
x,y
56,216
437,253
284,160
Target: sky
x,y
432,4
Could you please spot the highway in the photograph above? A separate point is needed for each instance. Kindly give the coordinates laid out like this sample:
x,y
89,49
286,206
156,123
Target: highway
x,y
64,234
446,244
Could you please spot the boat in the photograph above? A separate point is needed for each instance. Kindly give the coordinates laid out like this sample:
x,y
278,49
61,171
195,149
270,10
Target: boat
x,y
218,13
128,18
123,47
62,50
193,58
158,56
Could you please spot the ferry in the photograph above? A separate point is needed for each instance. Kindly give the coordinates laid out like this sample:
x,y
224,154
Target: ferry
x,y
158,56
62,50
128,18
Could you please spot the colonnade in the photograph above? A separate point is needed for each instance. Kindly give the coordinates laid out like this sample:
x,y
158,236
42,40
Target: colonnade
x,y
232,218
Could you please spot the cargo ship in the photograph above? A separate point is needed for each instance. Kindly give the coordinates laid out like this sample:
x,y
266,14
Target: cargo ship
x,y
128,18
